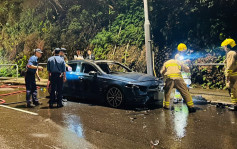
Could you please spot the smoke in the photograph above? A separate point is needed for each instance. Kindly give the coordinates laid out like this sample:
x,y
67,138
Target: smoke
x,y
191,55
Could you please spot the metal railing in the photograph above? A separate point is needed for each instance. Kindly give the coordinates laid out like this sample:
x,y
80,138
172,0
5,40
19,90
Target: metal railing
x,y
11,65
209,64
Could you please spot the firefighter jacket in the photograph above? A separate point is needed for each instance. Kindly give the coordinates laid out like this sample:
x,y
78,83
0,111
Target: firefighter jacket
x,y
172,69
231,65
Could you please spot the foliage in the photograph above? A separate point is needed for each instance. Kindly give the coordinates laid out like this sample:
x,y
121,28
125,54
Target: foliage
x,y
201,24
114,30
8,71
209,76
127,28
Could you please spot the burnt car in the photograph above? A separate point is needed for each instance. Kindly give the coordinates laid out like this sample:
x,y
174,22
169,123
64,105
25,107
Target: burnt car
x,y
113,82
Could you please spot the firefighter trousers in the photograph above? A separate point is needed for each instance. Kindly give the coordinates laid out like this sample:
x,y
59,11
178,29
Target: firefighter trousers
x,y
180,85
233,88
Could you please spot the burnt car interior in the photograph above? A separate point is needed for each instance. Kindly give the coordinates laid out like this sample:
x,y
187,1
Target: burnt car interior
x,y
110,68
74,67
86,68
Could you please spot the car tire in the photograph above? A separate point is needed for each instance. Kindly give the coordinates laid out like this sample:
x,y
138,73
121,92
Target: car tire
x,y
115,97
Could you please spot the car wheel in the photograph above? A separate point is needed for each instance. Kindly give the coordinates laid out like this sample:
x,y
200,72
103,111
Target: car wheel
x,y
114,97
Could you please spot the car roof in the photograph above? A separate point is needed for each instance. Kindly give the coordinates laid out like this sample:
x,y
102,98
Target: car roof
x,y
95,62
92,61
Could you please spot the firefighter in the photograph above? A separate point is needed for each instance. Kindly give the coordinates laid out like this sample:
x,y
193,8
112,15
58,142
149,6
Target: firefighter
x,y
182,48
231,70
171,71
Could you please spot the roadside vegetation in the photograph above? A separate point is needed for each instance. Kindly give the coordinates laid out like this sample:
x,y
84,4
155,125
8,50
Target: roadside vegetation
x,y
113,29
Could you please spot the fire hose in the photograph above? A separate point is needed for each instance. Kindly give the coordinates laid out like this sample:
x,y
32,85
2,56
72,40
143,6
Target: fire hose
x,y
12,93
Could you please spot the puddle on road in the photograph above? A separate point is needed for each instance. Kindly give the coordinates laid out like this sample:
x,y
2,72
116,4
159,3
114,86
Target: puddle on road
x,y
37,135
180,119
73,123
181,114
163,127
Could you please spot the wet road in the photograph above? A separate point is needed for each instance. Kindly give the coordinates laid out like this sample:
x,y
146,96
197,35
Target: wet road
x,y
86,125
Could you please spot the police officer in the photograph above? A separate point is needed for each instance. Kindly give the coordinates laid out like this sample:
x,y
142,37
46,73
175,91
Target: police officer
x,y
32,69
231,70
171,71
57,74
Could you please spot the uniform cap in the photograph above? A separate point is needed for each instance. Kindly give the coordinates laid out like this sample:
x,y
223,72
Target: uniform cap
x,y
57,49
63,49
38,50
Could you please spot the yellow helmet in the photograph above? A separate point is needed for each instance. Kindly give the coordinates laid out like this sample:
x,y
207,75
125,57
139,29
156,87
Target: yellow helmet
x,y
229,41
182,47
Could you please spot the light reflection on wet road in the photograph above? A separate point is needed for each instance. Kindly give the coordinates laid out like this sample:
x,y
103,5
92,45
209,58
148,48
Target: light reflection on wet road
x,y
73,124
106,127
180,119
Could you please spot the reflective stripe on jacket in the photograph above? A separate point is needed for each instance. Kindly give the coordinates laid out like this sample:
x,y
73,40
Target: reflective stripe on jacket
x,y
231,65
172,69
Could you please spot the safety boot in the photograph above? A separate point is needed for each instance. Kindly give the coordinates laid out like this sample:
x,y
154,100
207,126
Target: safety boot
x,y
37,103
29,105
59,105
172,108
191,110
51,106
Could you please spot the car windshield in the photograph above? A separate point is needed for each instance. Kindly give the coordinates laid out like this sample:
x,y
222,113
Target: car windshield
x,y
113,67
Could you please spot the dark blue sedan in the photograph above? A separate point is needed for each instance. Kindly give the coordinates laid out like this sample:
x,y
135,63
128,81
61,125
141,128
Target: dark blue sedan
x,y
112,82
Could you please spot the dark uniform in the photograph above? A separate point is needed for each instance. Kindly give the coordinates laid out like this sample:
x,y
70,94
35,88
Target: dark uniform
x,y
30,81
56,67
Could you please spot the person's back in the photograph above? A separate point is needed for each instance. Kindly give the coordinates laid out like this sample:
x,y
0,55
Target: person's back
x,y
58,62
231,65
56,68
172,69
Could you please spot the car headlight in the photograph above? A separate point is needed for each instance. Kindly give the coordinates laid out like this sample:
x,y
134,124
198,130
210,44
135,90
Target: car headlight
x,y
136,87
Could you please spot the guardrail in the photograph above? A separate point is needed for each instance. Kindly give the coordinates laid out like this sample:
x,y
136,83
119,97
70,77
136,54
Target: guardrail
x,y
209,64
11,65
199,64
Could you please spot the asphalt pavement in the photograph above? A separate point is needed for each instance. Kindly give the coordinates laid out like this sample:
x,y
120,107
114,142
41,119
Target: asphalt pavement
x,y
91,124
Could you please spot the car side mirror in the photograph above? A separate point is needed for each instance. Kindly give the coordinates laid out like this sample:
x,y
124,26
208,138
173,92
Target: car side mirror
x,y
93,73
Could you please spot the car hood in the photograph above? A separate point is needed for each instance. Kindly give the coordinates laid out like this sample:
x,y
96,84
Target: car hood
x,y
133,77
